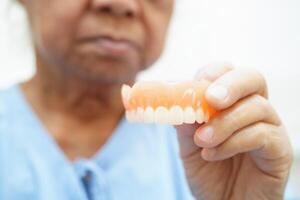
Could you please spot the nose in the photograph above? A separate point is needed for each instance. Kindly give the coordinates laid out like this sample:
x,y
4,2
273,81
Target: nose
x,y
122,8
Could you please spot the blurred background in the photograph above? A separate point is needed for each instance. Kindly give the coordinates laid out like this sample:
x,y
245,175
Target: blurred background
x,y
262,34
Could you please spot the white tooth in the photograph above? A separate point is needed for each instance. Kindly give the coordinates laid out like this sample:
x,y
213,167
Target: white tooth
x,y
189,115
149,115
199,116
140,114
134,116
176,115
206,117
161,115
129,116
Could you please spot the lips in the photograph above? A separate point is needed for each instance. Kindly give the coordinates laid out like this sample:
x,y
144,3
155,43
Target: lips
x,y
110,47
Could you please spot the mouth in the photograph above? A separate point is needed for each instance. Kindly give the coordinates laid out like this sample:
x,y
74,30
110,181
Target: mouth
x,y
110,47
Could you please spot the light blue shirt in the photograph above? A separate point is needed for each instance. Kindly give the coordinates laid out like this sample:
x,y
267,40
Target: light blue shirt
x,y
138,162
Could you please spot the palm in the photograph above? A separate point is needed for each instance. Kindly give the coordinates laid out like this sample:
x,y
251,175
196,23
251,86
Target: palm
x,y
225,179
240,177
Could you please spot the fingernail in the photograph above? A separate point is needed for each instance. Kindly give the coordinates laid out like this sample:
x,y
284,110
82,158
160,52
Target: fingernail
x,y
218,91
206,134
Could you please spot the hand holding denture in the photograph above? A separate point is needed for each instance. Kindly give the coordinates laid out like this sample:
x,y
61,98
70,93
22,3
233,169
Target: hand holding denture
x,y
241,151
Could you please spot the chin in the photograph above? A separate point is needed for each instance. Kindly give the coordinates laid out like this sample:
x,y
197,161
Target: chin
x,y
106,73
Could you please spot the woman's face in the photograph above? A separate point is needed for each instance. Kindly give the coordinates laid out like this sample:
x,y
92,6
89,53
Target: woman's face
x,y
99,40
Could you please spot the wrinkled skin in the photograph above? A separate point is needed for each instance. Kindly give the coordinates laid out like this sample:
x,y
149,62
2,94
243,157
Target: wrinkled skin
x,y
85,50
66,33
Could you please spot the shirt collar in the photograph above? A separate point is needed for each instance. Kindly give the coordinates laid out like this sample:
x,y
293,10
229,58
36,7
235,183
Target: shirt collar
x,y
31,131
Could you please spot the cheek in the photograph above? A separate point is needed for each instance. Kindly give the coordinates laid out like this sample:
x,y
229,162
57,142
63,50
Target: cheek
x,y
53,24
157,33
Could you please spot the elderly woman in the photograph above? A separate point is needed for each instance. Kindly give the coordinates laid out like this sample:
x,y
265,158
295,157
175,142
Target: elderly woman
x,y
63,136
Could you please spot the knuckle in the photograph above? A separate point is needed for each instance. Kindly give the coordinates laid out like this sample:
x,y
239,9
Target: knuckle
x,y
257,76
260,128
263,83
237,143
260,78
270,141
235,121
221,65
260,103
255,73
213,70
264,110
262,135
228,66
254,101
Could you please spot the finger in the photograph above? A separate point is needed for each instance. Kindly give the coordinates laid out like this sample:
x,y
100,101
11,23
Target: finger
x,y
234,85
247,111
213,71
186,132
265,139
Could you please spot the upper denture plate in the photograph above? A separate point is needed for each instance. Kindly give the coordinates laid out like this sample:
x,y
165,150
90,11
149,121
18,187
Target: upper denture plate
x,y
134,116
198,104
149,115
189,115
130,116
206,117
200,116
176,115
161,115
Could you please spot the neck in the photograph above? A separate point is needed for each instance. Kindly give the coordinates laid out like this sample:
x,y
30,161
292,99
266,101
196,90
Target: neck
x,y
79,99
79,114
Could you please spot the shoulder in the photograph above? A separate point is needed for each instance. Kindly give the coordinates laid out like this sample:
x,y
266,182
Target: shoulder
x,y
7,97
10,115
4,105
13,153
2,102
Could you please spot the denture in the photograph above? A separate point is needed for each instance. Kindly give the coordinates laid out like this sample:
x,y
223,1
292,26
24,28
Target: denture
x,y
167,102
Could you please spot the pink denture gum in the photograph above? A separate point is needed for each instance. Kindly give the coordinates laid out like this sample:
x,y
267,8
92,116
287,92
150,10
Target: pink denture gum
x,y
167,103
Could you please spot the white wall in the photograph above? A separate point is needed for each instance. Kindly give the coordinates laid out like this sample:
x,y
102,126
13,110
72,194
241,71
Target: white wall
x,y
264,34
